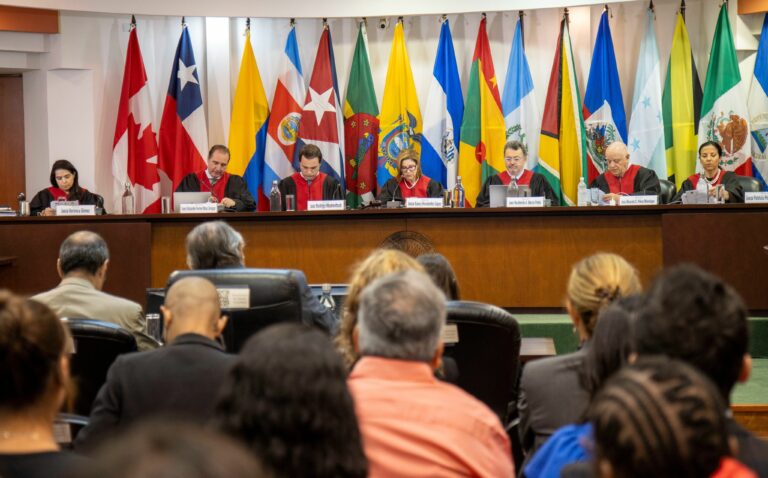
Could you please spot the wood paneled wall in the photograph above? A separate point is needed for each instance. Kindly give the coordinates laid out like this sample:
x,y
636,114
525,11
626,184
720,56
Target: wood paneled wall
x,y
12,178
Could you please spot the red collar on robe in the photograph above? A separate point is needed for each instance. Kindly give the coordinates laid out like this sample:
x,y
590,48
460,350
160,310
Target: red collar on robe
x,y
694,179
306,192
217,190
419,190
57,193
525,178
625,184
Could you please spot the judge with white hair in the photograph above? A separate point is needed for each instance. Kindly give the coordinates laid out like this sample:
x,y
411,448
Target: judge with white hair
x,y
624,179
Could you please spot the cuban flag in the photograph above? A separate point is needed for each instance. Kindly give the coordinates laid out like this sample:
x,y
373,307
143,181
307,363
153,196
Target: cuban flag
x,y
758,109
183,135
521,116
283,128
443,115
604,117
322,121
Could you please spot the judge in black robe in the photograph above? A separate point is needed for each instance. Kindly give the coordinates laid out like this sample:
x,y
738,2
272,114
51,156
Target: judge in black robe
x,y
230,191
309,184
410,182
64,185
623,179
515,159
709,157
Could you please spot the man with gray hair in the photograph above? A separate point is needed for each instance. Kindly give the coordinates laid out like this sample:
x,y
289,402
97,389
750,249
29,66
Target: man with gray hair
x,y
82,266
623,179
413,424
217,245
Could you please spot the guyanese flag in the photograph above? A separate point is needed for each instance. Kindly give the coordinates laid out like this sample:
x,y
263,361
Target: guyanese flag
x,y
483,134
562,148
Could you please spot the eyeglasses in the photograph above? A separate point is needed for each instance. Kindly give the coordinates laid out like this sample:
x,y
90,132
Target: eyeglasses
x,y
408,168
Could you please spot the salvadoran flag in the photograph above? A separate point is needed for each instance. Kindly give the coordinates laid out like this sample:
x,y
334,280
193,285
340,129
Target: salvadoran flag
x,y
443,115
521,115
758,109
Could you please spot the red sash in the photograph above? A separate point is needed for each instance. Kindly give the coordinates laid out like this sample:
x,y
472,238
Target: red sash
x,y
625,184
694,179
419,189
305,192
58,193
216,190
525,178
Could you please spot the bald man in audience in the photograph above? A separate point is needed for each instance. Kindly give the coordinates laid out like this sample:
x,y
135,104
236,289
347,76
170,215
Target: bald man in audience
x,y
180,380
623,179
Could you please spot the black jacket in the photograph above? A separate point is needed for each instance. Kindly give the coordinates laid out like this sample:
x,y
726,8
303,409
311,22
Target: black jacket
x,y
236,190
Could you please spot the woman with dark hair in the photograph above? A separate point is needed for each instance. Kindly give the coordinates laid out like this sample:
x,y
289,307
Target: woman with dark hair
x,y
286,397
65,186
709,157
34,384
440,271
410,182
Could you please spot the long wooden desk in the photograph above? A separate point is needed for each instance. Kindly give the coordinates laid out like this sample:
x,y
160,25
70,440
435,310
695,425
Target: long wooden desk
x,y
516,258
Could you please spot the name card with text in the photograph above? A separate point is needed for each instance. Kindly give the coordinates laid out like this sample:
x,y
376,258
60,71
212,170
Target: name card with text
x,y
198,208
237,297
423,202
76,210
334,205
645,200
534,201
752,197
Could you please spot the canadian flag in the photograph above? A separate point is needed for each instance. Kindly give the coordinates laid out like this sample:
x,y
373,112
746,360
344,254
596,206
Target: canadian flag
x,y
134,151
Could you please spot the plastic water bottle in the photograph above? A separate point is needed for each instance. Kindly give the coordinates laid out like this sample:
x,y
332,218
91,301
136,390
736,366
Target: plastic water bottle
x,y
458,193
275,200
703,188
583,194
513,189
327,299
127,200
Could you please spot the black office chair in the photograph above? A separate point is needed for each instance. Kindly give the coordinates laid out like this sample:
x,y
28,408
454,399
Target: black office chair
x,y
274,296
668,191
96,346
749,184
66,426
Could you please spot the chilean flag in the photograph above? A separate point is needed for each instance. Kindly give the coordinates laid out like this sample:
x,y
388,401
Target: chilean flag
x,y
134,150
183,136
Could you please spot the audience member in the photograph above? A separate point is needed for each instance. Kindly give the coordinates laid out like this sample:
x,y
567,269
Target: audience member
x,y
34,383
594,283
379,263
82,265
287,399
216,245
181,379
440,271
172,450
661,418
695,317
412,424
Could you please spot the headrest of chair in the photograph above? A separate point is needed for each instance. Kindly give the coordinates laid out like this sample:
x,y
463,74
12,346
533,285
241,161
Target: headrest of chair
x,y
749,184
478,312
266,285
82,327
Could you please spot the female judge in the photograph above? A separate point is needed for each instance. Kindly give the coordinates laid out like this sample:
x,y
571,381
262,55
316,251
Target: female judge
x,y
709,157
410,182
64,187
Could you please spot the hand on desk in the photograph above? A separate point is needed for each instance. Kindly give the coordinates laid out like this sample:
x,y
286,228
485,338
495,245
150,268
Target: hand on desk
x,y
226,202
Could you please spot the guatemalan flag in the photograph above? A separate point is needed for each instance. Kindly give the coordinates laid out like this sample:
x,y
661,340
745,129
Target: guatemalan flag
x,y
183,136
521,116
758,109
443,115
283,128
322,121
603,111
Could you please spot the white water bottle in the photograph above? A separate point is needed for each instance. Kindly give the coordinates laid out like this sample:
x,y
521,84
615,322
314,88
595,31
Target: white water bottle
x,y
582,194
127,200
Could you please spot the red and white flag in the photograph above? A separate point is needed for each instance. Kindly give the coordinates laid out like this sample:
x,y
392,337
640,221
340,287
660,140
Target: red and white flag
x,y
134,151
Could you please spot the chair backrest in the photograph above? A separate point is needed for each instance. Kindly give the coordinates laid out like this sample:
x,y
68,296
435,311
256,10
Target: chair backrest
x,y
96,346
749,184
487,352
668,191
252,298
66,426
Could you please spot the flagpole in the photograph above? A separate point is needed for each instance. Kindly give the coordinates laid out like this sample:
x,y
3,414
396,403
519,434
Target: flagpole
x,y
682,9
183,22
292,22
565,15
133,22
247,25
520,15
325,23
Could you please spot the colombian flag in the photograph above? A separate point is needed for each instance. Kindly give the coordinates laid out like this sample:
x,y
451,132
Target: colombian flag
x,y
483,134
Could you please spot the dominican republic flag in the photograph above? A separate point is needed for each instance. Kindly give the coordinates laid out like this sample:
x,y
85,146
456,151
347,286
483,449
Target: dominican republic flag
x,y
134,150
322,121
443,115
283,127
604,117
758,109
183,136
521,116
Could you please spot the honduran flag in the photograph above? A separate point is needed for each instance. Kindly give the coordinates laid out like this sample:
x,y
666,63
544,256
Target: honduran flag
x,y
443,115
758,109
183,136
134,153
283,127
604,117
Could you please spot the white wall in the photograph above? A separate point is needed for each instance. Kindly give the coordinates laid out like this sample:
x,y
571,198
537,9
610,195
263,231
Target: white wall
x,y
70,105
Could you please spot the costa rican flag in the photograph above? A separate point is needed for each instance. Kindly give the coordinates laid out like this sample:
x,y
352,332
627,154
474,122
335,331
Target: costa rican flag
x,y
183,136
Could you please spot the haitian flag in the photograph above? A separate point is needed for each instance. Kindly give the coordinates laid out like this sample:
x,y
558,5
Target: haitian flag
x,y
758,109
134,150
604,117
183,136
322,122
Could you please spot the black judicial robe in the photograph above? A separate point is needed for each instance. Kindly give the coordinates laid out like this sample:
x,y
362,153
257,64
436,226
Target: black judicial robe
x,y
538,184
236,190
330,187
729,181
645,183
390,191
44,198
